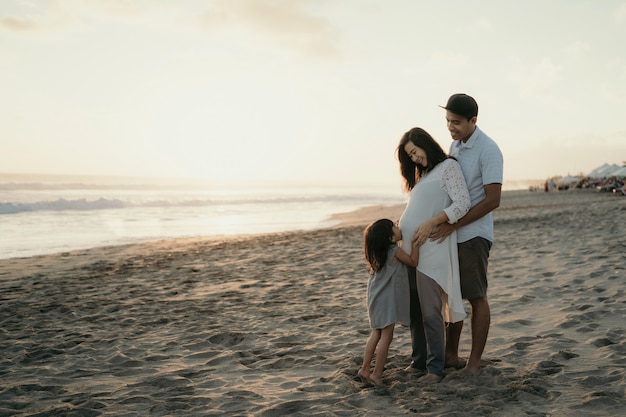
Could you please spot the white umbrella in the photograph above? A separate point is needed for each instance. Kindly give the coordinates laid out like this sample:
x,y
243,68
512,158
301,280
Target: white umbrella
x,y
598,172
621,172
605,170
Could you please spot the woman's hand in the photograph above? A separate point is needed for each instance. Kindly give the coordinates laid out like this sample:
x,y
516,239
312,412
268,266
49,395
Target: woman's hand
x,y
423,232
430,227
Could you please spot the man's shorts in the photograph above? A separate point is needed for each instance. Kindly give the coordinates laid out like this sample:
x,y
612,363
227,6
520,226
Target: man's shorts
x,y
473,262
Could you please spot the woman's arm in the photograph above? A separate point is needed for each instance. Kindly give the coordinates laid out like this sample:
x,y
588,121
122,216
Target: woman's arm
x,y
490,203
456,188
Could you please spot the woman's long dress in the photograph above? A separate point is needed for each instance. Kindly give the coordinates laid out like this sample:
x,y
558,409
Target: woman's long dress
x,y
439,261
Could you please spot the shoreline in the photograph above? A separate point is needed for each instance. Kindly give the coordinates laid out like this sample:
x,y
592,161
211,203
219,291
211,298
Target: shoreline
x,y
358,217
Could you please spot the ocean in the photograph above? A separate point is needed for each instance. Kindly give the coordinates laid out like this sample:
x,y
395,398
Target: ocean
x,y
43,214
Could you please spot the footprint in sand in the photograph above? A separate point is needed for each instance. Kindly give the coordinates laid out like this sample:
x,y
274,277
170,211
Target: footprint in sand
x,y
565,354
601,342
547,368
227,339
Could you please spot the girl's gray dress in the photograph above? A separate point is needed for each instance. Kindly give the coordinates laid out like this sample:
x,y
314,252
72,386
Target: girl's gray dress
x,y
388,299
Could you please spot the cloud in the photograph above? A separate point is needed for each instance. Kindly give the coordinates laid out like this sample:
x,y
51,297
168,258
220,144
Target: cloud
x,y
287,22
446,61
539,81
28,18
481,26
135,11
561,155
620,14
613,94
58,15
24,17
290,24
17,24
577,50
114,8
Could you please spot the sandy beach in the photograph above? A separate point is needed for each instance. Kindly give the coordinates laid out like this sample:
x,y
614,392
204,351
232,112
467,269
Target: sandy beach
x,y
275,325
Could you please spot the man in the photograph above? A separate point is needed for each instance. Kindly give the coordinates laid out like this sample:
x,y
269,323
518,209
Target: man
x,y
482,165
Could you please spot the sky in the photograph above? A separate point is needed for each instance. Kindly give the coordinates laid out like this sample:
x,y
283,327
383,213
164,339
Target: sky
x,y
305,91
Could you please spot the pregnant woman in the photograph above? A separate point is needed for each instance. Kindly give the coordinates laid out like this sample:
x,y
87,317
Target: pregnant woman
x,y
437,194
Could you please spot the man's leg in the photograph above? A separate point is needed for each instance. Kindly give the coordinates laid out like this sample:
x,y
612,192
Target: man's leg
x,y
473,264
481,319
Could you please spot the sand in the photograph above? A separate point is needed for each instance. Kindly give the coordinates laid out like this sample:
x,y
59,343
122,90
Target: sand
x,y
276,324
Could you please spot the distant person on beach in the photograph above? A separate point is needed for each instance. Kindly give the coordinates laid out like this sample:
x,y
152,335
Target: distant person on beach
x,y
482,165
386,292
437,194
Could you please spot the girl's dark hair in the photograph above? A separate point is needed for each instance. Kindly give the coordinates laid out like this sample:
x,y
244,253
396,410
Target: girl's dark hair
x,y
410,170
376,240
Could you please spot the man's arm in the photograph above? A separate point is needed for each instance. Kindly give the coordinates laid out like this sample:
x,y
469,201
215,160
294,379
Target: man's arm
x,y
488,204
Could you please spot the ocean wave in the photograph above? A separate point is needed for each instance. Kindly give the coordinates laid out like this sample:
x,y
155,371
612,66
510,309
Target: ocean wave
x,y
44,186
62,204
85,204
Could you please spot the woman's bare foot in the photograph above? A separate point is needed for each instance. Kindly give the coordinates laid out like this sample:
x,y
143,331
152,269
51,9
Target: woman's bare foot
x,y
457,363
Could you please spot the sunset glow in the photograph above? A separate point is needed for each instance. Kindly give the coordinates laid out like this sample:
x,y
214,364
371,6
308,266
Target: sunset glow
x,y
304,91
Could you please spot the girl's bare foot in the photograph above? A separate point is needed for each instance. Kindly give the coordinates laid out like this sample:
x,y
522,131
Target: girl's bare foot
x,y
365,376
376,381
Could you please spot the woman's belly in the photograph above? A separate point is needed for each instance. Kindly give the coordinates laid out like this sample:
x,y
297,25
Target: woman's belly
x,y
426,200
409,222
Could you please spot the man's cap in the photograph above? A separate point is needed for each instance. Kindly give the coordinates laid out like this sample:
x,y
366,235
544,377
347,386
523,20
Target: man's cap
x,y
463,105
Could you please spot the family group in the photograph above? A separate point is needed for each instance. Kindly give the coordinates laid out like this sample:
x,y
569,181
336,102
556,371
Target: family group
x,y
422,267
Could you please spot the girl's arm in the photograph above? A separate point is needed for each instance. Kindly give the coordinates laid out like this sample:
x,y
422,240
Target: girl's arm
x,y
412,259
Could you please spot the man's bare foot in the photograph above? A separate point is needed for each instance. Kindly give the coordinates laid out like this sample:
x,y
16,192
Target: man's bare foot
x,y
429,379
467,371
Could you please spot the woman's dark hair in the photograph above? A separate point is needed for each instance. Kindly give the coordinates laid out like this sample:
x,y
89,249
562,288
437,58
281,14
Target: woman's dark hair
x,y
376,240
410,170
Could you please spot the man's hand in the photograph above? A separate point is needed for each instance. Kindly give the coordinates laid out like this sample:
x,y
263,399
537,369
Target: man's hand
x,y
489,203
441,232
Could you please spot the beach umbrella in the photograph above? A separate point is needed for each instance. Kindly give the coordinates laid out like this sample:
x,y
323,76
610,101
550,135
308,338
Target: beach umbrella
x,y
597,172
619,173
604,170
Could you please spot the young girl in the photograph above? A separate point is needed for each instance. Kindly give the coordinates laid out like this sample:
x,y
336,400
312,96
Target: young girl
x,y
387,292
